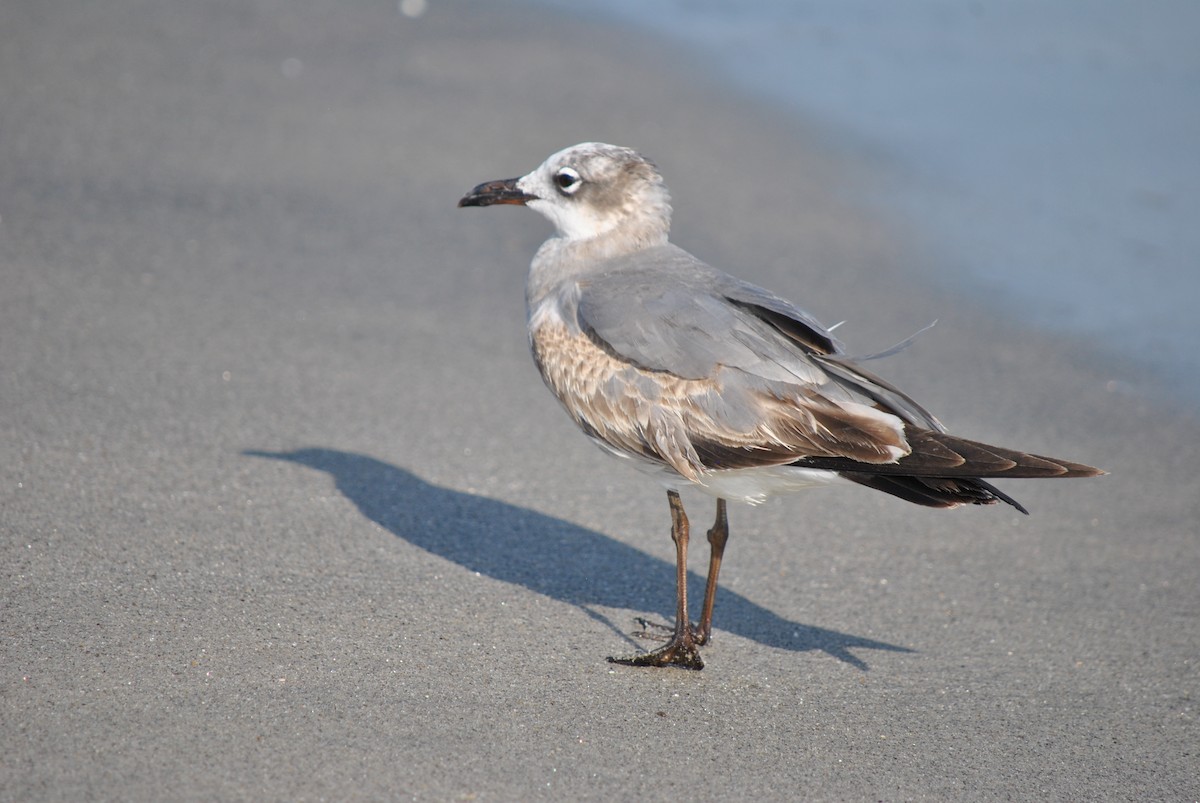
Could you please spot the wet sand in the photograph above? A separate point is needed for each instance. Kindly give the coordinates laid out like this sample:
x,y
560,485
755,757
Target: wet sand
x,y
287,514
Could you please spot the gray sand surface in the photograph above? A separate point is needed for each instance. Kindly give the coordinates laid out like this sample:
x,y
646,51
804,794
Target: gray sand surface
x,y
286,514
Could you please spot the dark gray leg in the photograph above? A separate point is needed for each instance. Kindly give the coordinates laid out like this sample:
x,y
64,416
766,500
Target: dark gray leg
x,y
717,537
681,649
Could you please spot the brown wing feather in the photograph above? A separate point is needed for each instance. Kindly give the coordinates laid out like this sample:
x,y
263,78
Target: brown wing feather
x,y
936,454
791,427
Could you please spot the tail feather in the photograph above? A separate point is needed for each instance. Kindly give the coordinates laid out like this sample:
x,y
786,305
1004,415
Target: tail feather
x,y
936,491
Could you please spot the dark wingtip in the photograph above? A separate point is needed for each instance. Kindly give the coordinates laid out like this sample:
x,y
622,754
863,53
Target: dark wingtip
x,y
1003,497
1078,469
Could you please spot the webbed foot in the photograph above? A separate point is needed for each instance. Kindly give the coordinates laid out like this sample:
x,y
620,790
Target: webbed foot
x,y
680,652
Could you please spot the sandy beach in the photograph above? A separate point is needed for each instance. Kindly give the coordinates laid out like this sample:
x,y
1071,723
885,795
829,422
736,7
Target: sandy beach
x,y
286,513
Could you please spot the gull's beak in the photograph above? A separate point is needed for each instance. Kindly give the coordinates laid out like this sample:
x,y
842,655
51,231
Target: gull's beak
x,y
501,191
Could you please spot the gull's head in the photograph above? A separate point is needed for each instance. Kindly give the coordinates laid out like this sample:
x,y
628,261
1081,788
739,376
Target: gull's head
x,y
589,190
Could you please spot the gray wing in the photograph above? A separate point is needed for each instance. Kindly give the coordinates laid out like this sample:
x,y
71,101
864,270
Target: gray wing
x,y
763,383
728,375
664,310
772,386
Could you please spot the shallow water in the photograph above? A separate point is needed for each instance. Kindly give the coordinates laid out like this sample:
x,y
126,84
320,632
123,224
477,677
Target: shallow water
x,y
1048,153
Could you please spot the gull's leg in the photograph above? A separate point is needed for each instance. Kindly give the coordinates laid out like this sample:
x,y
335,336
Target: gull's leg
x,y
717,537
681,649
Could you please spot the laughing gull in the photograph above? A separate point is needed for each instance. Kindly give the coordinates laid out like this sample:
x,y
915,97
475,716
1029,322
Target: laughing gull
x,y
704,380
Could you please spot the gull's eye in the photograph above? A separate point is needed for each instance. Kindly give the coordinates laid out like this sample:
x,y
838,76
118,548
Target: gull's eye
x,y
567,180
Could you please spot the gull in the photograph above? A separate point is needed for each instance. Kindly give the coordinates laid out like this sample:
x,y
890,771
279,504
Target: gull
x,y
704,380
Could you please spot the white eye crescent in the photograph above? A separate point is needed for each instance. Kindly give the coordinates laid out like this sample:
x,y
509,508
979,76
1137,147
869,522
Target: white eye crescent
x,y
567,180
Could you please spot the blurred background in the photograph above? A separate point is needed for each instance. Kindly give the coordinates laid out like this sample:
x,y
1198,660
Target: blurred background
x,y
1046,153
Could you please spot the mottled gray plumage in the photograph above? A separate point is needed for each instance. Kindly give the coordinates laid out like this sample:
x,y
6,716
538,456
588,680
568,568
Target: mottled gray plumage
x,y
709,381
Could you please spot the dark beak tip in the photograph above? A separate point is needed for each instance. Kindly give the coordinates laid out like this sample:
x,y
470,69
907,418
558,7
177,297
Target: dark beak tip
x,y
495,192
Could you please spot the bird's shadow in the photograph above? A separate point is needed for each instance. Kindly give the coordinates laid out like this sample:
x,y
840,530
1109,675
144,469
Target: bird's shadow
x,y
550,556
